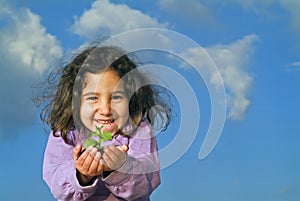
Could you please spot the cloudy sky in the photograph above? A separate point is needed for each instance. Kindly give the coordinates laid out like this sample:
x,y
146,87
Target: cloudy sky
x,y
254,49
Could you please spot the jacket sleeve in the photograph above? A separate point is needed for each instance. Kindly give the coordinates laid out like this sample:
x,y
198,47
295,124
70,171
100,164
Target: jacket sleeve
x,y
139,176
60,174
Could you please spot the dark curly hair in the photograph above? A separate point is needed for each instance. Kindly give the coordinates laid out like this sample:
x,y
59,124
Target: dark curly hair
x,y
62,111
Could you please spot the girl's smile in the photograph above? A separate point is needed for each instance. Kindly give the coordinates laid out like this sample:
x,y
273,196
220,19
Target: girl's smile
x,y
104,102
108,124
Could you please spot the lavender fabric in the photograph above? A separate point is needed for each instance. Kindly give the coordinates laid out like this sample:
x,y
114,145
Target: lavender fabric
x,y
135,180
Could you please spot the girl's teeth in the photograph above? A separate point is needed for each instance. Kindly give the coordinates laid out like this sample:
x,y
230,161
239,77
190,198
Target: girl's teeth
x,y
105,123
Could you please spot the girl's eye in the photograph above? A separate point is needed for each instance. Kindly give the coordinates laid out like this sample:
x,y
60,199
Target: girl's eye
x,y
117,97
92,98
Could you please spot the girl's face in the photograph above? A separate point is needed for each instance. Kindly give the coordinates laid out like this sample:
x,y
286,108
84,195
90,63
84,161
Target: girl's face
x,y
104,102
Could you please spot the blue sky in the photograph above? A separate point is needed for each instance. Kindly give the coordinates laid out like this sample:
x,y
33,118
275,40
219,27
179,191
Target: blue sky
x,y
255,46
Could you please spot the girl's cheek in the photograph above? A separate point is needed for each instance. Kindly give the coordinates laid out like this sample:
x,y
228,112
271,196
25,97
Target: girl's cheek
x,y
86,111
122,107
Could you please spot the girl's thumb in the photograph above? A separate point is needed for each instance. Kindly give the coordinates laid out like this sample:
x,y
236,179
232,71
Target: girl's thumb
x,y
125,148
77,151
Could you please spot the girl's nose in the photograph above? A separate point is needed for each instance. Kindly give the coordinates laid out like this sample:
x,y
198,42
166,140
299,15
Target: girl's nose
x,y
105,108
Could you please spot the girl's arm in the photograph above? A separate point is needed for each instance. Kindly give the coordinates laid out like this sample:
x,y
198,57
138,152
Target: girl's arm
x,y
60,174
139,176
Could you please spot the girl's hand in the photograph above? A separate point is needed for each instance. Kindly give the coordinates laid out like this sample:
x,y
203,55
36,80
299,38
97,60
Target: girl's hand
x,y
87,164
114,157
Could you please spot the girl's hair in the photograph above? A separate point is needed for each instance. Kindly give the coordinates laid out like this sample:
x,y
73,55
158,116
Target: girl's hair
x,y
62,113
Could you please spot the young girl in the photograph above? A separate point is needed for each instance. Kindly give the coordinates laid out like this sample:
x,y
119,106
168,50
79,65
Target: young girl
x,y
102,86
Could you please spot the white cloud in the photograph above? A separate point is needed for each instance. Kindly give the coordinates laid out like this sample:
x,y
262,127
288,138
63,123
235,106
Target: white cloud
x,y
25,39
297,63
108,18
202,12
263,7
26,50
191,12
231,61
293,6
293,67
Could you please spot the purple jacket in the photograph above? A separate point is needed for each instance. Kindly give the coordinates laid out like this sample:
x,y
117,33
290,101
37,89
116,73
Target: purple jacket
x,y
135,180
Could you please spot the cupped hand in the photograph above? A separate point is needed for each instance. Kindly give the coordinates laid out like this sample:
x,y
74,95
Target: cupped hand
x,y
88,163
114,157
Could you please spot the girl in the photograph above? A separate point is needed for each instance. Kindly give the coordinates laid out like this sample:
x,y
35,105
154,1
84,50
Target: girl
x,y
102,86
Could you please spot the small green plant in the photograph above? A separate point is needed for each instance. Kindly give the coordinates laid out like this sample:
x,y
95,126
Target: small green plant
x,y
102,137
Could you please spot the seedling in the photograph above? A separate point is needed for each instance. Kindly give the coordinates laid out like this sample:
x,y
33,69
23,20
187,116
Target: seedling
x,y
102,137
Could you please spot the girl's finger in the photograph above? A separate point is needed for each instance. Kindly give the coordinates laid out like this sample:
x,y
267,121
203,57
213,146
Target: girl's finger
x,y
119,153
123,148
105,166
76,152
89,159
94,166
113,152
100,167
107,159
80,161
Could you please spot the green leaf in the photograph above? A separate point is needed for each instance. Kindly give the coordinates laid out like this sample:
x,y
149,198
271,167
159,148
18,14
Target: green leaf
x,y
89,142
107,135
99,147
98,131
102,137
